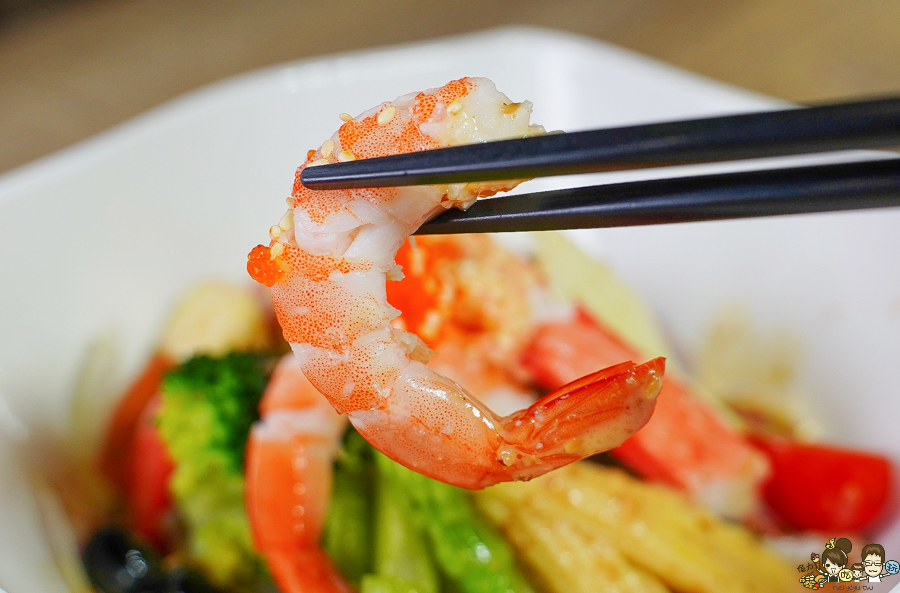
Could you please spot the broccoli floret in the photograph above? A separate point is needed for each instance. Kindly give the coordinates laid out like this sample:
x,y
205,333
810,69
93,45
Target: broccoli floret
x,y
208,407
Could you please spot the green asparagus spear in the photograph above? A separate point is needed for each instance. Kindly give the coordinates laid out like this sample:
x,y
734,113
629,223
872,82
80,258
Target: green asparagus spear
x,y
381,583
401,551
468,551
349,526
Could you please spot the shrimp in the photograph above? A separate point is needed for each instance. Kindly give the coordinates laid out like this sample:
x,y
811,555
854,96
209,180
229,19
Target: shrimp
x,y
288,468
328,261
686,445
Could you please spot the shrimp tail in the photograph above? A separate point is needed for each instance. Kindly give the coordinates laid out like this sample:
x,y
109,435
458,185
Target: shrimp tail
x,y
591,414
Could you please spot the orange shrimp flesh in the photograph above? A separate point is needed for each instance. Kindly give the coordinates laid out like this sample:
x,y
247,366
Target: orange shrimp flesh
x,y
333,252
470,301
288,468
464,284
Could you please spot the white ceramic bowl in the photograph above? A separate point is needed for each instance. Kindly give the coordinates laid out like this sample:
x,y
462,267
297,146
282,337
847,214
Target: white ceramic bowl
x,y
100,238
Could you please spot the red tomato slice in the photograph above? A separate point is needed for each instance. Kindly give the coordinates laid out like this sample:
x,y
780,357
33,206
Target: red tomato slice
x,y
134,455
117,448
146,478
825,488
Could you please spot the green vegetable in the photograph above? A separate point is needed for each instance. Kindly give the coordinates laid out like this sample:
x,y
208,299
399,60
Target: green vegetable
x,y
469,552
401,550
381,583
208,407
349,528
428,537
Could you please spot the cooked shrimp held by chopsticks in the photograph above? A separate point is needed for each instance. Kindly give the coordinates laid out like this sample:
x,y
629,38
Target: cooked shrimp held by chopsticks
x,y
328,261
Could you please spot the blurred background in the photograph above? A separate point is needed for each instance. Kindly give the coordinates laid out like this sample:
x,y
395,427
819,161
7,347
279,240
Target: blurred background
x,y
72,68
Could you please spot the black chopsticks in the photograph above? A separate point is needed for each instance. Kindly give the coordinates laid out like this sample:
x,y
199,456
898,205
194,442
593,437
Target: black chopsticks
x,y
824,128
861,124
801,190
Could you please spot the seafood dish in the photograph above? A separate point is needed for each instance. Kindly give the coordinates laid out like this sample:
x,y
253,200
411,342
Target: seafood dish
x,y
391,414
